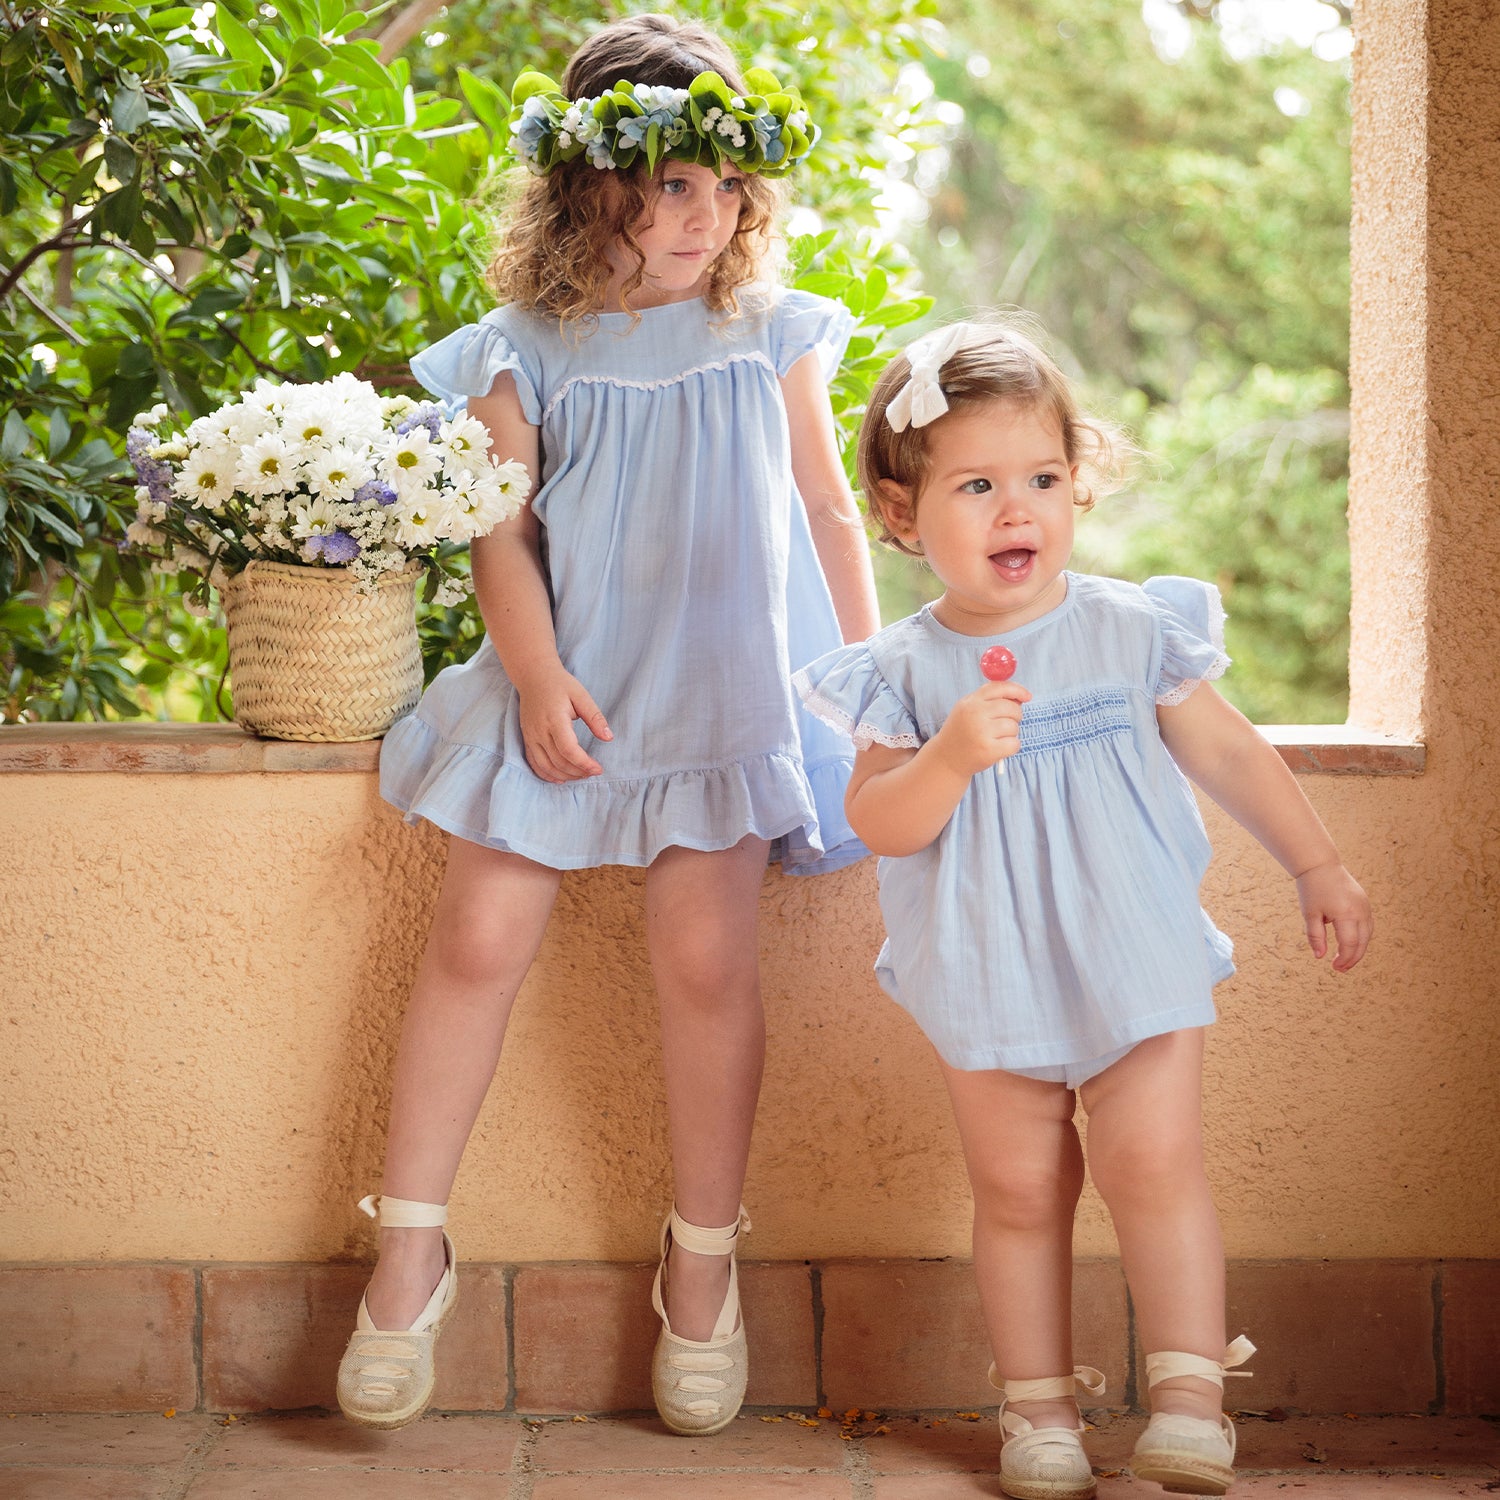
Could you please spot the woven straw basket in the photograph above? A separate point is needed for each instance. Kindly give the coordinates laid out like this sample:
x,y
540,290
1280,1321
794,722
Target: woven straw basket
x,y
311,659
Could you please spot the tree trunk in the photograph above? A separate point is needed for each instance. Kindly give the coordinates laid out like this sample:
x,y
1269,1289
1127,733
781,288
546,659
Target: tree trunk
x,y
406,24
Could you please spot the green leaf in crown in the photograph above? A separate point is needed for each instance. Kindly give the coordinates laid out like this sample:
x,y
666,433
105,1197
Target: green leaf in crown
x,y
765,131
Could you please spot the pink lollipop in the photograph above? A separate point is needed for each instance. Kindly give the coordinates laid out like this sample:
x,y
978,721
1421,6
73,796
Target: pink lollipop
x,y
998,664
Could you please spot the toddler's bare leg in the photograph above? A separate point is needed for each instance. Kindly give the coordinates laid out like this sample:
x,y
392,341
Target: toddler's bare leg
x,y
485,932
1026,1172
1146,1159
702,916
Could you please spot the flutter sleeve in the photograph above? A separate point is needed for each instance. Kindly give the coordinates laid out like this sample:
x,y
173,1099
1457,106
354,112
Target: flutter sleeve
x,y
805,322
466,363
846,689
1190,616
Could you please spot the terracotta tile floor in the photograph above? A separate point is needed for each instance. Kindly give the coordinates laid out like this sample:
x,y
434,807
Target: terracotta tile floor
x,y
198,1457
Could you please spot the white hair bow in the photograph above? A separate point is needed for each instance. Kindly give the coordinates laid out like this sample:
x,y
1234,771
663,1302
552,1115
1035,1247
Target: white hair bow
x,y
921,399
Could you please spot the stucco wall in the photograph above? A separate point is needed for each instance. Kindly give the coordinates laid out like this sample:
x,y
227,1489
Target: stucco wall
x,y
203,975
205,978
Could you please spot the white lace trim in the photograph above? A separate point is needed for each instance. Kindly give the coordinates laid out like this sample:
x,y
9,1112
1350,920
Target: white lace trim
x,y
1185,690
863,735
1220,665
753,356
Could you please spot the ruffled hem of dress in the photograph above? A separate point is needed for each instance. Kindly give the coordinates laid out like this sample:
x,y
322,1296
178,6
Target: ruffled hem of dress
x,y
1054,1062
471,792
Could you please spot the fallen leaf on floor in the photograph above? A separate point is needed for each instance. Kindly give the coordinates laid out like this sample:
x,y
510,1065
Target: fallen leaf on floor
x,y
171,1411
1314,1454
580,1419
770,1419
824,1412
848,1437
881,1430
967,1416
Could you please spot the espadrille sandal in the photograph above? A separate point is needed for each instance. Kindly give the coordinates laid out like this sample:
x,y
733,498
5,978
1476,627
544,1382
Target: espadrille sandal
x,y
386,1376
699,1387
1044,1463
1190,1455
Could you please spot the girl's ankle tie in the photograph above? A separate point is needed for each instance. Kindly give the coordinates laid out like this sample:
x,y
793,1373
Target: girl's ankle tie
x,y
404,1213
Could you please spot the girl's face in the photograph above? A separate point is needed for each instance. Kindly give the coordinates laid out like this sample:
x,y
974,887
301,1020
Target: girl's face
x,y
994,516
693,220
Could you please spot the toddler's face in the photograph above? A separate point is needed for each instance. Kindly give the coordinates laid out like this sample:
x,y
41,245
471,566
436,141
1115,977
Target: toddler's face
x,y
995,515
692,222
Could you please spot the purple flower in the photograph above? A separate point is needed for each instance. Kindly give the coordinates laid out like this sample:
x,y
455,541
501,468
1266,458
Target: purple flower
x,y
376,489
424,416
151,472
337,547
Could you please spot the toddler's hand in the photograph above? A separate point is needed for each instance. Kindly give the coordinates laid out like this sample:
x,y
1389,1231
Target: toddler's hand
x,y
982,728
1329,893
549,705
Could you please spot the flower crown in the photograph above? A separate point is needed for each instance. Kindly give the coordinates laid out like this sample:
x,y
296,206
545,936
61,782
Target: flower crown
x,y
767,131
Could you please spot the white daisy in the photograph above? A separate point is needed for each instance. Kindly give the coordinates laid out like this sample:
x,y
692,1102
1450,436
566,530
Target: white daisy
x,y
208,477
268,466
424,519
317,518
467,441
410,462
335,473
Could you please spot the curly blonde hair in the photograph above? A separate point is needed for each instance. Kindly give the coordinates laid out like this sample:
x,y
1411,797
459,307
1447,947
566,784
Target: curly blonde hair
x,y
998,362
555,231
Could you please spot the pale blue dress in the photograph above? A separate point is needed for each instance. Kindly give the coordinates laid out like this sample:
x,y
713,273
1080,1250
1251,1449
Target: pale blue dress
x,y
1055,920
685,587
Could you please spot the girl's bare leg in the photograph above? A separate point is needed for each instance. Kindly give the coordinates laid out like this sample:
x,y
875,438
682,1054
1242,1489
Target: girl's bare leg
x,y
702,916
1026,1172
485,932
1146,1159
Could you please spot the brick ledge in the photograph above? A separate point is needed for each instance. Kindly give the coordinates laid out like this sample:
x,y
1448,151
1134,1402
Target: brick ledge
x,y
156,749
1372,1337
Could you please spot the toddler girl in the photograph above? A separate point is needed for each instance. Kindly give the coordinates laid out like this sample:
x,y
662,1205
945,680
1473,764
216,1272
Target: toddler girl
x,y
1040,890
690,539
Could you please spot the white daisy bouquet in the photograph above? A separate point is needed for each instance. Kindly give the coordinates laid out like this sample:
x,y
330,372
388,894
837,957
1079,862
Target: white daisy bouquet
x,y
330,474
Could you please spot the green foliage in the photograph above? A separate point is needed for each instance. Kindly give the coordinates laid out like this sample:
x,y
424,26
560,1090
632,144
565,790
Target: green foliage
x,y
1185,243
182,211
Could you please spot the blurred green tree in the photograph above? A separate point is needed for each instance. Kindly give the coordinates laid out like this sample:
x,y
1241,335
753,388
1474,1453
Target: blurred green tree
x,y
1179,223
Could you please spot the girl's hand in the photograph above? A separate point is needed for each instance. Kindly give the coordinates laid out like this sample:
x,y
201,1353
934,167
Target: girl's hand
x,y
550,702
982,729
1329,893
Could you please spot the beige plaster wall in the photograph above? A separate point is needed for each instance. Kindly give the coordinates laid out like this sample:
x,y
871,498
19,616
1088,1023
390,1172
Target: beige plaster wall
x,y
204,979
202,975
